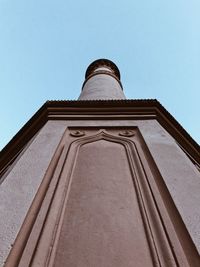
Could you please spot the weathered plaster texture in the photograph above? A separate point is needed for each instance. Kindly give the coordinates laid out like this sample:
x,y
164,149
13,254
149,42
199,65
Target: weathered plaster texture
x,y
179,174
102,222
20,186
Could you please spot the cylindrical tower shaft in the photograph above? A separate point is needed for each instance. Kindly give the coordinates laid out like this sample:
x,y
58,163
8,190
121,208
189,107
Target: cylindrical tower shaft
x,y
102,81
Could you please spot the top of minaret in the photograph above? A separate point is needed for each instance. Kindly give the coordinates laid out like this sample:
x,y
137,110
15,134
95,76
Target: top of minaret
x,y
102,65
102,81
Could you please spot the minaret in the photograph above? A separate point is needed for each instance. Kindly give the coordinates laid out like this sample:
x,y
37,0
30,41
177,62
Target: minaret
x,y
101,181
102,81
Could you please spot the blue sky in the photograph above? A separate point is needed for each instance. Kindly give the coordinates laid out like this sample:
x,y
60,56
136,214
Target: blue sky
x,y
46,46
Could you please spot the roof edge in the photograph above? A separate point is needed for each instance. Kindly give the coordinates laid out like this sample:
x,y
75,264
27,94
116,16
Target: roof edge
x,y
151,105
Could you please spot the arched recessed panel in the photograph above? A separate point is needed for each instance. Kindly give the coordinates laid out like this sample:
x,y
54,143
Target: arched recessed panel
x,y
102,207
102,224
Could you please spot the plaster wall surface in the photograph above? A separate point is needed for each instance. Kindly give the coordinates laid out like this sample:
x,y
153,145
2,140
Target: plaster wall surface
x,y
20,186
180,176
102,220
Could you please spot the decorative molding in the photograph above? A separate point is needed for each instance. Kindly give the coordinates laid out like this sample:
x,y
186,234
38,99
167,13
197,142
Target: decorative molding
x,y
143,109
105,73
32,226
127,133
102,63
77,133
41,244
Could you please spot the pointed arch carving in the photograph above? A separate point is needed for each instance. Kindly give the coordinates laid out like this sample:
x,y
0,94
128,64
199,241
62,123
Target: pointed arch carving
x,y
43,242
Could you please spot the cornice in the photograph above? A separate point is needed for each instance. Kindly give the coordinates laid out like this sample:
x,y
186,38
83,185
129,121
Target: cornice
x,y
139,109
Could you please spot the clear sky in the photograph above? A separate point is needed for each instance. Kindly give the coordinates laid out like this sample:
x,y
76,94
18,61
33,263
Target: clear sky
x,y
46,46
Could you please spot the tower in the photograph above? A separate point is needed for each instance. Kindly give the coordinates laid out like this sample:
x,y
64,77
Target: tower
x,y
101,181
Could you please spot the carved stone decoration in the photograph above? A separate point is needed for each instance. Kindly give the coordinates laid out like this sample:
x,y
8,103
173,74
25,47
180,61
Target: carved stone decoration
x,y
102,208
127,133
77,133
104,182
